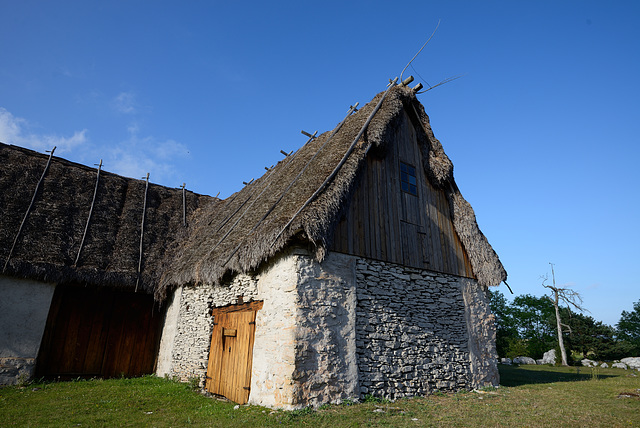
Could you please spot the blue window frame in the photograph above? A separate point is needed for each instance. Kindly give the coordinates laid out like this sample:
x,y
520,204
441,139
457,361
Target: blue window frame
x,y
408,179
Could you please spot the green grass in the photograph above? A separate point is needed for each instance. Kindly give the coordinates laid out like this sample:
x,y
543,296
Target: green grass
x,y
533,396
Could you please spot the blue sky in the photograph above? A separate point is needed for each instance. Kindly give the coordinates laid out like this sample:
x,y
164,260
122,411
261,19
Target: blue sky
x,y
542,127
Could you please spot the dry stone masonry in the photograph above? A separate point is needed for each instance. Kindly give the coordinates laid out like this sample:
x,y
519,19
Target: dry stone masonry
x,y
188,354
411,332
343,328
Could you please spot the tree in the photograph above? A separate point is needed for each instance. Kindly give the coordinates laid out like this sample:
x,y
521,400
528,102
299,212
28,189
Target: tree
x,y
523,327
628,327
534,320
506,325
568,296
593,338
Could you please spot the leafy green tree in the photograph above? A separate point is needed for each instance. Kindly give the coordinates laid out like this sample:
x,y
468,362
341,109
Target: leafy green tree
x,y
592,338
628,328
506,324
535,317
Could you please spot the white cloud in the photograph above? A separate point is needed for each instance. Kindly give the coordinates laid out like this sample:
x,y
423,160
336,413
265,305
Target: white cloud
x,y
171,149
15,130
136,157
132,157
9,126
125,102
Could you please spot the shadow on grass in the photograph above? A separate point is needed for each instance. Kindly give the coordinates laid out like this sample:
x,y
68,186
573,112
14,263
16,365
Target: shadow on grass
x,y
524,375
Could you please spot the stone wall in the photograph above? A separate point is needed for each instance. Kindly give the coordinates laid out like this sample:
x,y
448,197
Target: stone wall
x,y
482,334
343,328
412,332
24,307
326,362
186,335
274,354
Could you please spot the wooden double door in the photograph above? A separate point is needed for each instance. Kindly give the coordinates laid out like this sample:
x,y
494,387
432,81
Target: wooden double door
x,y
99,332
231,353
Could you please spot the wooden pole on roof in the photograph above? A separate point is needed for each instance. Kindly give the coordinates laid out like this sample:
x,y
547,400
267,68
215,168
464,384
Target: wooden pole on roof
x,y
315,194
184,205
144,209
26,214
86,226
352,109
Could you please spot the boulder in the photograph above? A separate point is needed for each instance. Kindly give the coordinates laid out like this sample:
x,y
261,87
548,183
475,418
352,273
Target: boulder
x,y
505,361
619,366
604,365
549,357
589,363
524,360
632,362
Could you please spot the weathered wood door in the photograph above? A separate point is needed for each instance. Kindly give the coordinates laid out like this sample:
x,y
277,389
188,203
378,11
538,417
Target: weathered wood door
x,y
99,332
231,353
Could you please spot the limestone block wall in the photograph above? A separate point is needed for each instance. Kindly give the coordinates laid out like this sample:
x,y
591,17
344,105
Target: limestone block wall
x,y
169,333
326,361
411,331
342,328
24,307
482,335
274,352
186,335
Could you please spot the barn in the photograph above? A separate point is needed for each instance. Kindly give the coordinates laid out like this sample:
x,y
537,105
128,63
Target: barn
x,y
352,267
77,296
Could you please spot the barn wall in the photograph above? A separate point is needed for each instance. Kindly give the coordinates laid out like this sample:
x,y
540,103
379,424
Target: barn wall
x,y
326,362
384,222
482,335
190,323
344,328
419,331
24,307
274,351
169,333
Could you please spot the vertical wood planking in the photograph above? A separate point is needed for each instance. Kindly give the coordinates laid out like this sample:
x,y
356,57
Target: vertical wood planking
x,y
375,219
230,357
99,332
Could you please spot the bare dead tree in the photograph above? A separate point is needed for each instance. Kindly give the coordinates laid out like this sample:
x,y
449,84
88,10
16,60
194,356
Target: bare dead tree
x,y
568,296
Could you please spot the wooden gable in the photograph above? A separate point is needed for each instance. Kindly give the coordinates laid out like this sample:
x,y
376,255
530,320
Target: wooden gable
x,y
412,227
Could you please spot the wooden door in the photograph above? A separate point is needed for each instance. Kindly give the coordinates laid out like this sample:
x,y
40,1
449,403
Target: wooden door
x,y
99,332
231,353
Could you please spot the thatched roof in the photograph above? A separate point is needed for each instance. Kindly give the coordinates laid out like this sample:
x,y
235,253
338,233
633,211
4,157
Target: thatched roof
x,y
254,224
48,244
293,201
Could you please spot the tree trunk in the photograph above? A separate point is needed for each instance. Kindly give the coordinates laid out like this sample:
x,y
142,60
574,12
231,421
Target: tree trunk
x,y
563,352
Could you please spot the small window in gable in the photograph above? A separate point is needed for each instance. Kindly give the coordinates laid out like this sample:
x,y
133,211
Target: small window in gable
x,y
408,179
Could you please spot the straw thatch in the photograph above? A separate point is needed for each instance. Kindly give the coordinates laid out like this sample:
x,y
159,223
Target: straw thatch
x,y
223,237
48,245
238,237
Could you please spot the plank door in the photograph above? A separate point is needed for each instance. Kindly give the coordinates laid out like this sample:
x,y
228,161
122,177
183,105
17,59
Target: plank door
x,y
99,332
231,353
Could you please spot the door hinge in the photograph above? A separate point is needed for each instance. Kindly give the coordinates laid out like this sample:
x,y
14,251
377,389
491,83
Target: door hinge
x,y
248,388
208,377
251,322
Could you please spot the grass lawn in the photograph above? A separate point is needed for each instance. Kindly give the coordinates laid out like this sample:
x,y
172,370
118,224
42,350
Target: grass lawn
x,y
533,396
